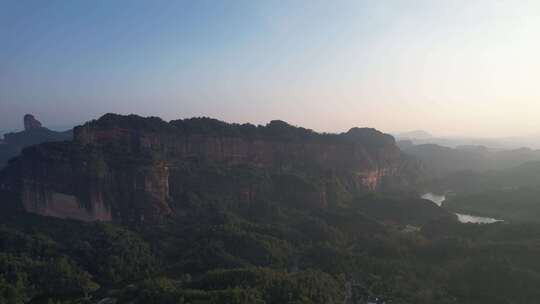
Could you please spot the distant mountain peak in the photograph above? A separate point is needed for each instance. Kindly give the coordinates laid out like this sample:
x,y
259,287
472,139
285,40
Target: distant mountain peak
x,y
418,134
34,133
30,122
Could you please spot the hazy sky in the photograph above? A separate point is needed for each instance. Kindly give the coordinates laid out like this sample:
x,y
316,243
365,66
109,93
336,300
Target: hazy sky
x,y
449,67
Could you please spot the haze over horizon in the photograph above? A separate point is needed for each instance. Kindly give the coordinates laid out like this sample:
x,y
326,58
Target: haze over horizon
x,y
450,68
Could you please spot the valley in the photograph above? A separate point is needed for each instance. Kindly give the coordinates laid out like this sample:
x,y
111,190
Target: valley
x,y
201,211
269,152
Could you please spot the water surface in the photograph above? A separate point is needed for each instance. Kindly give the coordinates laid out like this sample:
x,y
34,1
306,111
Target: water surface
x,y
463,218
437,199
466,218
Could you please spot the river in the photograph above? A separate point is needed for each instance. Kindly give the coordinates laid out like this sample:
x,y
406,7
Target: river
x,y
464,218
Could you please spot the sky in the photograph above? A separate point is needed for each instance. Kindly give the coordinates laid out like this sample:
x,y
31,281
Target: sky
x,y
449,67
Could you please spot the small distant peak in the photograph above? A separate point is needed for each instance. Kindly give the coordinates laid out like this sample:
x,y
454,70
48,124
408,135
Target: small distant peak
x,y
357,130
369,136
473,148
279,126
416,134
111,116
278,123
362,133
131,119
30,122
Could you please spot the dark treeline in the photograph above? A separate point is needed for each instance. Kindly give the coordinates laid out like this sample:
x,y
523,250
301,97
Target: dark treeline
x,y
270,254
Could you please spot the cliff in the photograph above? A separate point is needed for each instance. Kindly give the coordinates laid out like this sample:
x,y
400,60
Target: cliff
x,y
135,169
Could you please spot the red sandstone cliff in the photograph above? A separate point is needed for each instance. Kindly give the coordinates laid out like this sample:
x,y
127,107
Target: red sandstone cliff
x,y
131,168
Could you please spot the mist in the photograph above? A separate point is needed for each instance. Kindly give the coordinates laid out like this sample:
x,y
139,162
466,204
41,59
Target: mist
x,y
465,68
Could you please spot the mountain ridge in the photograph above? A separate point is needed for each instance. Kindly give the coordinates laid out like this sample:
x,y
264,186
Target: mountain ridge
x,y
136,169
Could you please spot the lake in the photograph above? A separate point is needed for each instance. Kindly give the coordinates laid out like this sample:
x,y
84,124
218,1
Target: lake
x,y
437,199
463,218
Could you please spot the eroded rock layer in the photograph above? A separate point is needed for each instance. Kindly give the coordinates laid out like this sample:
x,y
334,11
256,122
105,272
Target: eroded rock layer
x,y
129,168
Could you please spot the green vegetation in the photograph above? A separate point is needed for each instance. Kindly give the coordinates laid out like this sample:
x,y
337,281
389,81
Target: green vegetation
x,y
43,258
275,130
240,254
515,205
440,161
14,142
512,194
295,232
526,175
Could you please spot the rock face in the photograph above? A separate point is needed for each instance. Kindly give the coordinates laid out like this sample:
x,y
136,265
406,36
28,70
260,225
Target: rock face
x,y
134,169
31,123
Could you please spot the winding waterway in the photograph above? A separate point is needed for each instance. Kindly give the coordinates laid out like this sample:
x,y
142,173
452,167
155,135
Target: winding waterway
x,y
464,218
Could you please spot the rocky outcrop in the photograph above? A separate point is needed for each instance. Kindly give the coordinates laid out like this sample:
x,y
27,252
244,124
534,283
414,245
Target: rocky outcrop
x,y
30,122
34,133
129,168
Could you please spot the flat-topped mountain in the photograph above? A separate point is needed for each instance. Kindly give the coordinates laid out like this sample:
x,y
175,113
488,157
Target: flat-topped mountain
x,y
135,169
